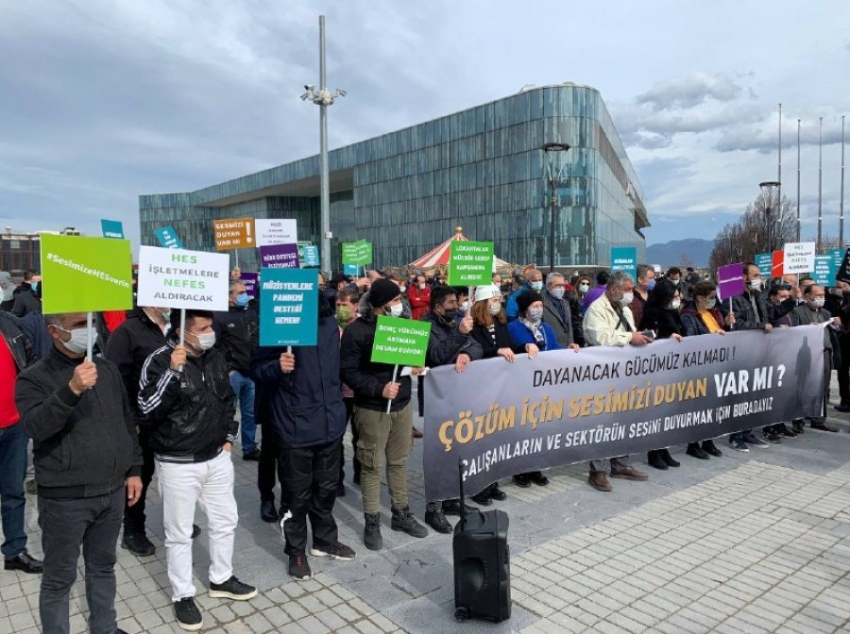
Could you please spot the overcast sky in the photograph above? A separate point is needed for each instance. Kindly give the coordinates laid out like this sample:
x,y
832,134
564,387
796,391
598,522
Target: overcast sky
x,y
101,100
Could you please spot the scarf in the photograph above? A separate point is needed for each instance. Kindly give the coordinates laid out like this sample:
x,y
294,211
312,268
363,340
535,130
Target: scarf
x,y
536,329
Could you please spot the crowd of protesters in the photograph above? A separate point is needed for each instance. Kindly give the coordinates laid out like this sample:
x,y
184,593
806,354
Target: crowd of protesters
x,y
156,399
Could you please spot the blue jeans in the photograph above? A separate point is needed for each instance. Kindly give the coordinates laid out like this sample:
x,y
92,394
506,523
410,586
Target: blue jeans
x,y
68,524
243,387
13,469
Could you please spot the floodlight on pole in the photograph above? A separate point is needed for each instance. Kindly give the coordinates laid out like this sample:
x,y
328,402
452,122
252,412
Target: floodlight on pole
x,y
767,191
323,98
552,151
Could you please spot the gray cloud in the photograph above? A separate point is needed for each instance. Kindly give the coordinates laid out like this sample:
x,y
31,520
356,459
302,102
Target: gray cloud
x,y
690,91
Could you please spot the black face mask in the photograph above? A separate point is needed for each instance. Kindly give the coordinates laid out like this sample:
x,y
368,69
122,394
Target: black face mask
x,y
450,315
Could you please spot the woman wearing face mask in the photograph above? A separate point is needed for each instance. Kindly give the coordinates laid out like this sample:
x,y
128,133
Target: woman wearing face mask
x,y
661,315
701,316
490,329
531,335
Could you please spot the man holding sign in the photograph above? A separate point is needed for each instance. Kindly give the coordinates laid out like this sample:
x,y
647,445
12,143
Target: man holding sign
x,y
385,434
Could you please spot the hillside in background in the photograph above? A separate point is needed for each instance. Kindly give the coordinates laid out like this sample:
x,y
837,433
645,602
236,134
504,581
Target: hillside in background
x,y
691,252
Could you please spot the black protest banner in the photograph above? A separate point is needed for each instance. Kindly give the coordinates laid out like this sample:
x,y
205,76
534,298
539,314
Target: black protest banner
x,y
564,407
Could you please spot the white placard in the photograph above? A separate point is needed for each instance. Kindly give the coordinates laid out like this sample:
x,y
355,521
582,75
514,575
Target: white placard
x,y
799,257
276,231
176,278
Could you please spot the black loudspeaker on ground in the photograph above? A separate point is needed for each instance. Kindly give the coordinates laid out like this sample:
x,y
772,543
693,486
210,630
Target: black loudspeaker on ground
x,y
482,564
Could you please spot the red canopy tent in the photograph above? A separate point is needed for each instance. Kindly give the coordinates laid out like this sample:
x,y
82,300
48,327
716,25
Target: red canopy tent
x,y
439,256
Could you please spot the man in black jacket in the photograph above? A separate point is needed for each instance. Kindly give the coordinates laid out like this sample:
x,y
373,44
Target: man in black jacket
x,y
308,419
16,354
87,461
129,346
185,395
383,436
236,334
25,300
449,344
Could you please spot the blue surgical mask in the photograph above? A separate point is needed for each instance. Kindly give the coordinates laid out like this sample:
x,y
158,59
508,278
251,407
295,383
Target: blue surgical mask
x,y
650,284
34,286
242,300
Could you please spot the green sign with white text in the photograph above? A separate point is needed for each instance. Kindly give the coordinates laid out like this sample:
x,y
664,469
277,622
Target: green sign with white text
x,y
359,252
401,341
83,274
470,263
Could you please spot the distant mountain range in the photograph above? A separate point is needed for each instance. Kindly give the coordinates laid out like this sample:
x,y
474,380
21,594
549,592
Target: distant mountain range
x,y
693,252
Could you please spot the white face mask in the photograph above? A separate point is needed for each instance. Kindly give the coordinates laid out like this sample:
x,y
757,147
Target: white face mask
x,y
819,302
79,342
711,303
537,286
396,310
583,288
402,288
495,309
755,284
557,293
627,298
675,304
205,341
535,314
465,306
422,286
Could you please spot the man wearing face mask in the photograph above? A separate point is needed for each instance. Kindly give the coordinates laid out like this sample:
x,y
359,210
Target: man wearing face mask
x,y
385,438
25,300
346,313
419,295
609,322
87,464
129,346
814,313
556,310
533,281
237,333
838,305
186,398
645,284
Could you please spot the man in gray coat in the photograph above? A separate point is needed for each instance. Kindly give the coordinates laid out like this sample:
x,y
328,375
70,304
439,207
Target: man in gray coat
x,y
556,309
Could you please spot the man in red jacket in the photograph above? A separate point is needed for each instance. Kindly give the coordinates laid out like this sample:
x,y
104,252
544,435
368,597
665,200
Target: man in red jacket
x,y
419,295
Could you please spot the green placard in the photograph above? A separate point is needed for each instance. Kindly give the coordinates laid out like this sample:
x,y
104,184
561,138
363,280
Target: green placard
x,y
470,263
84,274
359,252
401,341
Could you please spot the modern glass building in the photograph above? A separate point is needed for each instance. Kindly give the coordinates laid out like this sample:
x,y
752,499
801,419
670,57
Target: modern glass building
x,y
482,169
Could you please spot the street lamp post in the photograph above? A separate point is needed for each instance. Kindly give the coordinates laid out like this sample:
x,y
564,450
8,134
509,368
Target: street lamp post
x,y
323,98
553,152
767,189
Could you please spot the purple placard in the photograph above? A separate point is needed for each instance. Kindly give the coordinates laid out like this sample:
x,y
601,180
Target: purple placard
x,y
250,281
730,280
279,256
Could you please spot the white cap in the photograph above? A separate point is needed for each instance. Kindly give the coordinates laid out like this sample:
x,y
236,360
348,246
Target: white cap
x,y
487,292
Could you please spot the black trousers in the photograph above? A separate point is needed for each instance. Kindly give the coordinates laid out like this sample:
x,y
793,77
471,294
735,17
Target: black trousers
x,y
844,370
269,467
349,420
134,516
309,483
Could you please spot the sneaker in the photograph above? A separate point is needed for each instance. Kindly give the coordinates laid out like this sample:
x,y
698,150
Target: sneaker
x,y
232,589
738,445
299,568
782,430
137,543
404,521
436,520
188,615
372,532
337,551
751,439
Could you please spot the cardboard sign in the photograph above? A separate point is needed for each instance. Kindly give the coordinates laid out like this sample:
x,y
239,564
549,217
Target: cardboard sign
x,y
235,233
289,307
624,259
470,263
250,280
279,256
85,274
168,238
359,252
401,341
308,255
730,280
112,229
276,231
776,266
764,261
825,270
176,278
799,257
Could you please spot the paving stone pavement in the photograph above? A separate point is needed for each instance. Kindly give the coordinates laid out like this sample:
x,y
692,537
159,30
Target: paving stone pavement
x,y
746,543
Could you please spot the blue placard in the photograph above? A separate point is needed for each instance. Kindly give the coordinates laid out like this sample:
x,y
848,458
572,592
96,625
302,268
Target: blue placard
x,y
351,269
624,259
825,269
168,238
765,263
837,256
112,229
289,307
311,255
